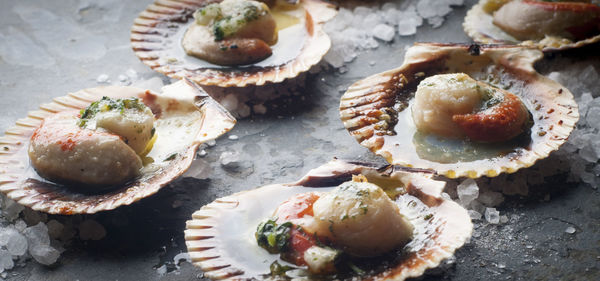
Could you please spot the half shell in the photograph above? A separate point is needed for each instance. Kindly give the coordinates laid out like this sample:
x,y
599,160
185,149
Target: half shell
x,y
479,26
376,110
157,32
183,111
220,236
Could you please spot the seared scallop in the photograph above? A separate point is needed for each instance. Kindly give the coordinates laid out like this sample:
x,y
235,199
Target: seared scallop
x,y
101,148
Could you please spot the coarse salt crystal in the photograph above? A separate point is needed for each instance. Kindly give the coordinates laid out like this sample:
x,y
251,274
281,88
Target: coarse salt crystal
x,y
384,32
492,215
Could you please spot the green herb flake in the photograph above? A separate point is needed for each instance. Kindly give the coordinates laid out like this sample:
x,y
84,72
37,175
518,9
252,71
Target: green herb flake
x,y
108,104
278,270
273,237
428,217
171,157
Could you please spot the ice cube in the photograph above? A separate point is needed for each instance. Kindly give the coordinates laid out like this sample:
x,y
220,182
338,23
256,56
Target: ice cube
x,y
259,109
199,169
37,235
131,73
435,22
584,101
474,215
33,217
44,254
230,102
243,110
370,21
432,8
391,15
588,153
334,57
229,158
55,229
388,5
6,261
556,76
384,32
11,209
91,230
477,207
467,191
362,12
103,78
593,117
155,84
408,21
492,215
490,198
20,225
16,243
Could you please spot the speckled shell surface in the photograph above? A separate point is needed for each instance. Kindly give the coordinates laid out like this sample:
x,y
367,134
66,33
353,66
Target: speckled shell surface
x,y
220,237
20,182
156,39
479,26
376,110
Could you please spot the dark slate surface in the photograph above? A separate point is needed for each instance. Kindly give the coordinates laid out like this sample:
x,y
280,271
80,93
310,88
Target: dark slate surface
x,y
49,48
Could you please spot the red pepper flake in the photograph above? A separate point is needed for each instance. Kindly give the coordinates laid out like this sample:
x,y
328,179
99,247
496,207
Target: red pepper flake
x,y
550,111
560,91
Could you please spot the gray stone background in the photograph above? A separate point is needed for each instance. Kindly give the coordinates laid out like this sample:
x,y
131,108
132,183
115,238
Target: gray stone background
x,y
49,48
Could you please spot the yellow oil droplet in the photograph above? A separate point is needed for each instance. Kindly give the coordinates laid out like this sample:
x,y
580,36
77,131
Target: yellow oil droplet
x,y
451,174
284,20
492,173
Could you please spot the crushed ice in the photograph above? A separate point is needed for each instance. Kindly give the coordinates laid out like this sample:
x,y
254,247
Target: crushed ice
x,y
353,31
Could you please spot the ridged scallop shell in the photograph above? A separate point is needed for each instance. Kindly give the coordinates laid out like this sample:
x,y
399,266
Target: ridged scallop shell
x,y
220,236
376,110
20,182
156,39
479,26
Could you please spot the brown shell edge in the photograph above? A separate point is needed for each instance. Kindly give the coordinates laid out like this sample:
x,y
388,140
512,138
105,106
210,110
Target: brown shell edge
x,y
364,106
203,243
476,17
55,200
146,35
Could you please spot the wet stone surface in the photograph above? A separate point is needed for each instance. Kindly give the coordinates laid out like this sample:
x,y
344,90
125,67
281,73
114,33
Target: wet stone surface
x,y
548,222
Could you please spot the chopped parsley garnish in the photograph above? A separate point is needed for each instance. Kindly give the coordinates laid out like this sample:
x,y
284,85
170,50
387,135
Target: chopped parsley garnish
x,y
273,237
225,19
108,104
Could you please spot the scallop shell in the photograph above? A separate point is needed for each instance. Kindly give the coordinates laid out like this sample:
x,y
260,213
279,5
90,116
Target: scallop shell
x,y
479,26
20,182
374,110
220,236
157,33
